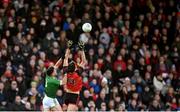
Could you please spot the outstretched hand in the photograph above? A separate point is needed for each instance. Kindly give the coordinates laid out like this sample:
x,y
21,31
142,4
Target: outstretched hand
x,y
81,45
69,43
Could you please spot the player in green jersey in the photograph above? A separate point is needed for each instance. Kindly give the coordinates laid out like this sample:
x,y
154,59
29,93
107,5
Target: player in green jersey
x,y
51,86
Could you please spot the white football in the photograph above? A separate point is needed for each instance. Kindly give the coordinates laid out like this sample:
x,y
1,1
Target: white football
x,y
86,27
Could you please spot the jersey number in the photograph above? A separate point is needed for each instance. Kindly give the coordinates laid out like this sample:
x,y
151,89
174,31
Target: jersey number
x,y
71,81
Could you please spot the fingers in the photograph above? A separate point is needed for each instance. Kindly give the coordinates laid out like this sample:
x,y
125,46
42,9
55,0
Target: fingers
x,y
69,43
81,45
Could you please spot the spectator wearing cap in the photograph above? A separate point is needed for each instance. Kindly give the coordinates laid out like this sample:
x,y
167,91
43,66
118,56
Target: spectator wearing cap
x,y
139,85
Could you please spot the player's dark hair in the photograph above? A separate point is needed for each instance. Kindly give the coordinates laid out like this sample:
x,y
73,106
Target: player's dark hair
x,y
71,67
49,71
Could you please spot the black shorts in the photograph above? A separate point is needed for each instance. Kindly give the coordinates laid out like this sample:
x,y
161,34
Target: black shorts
x,y
70,98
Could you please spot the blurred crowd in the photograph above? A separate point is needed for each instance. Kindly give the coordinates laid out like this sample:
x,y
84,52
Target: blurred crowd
x,y
135,44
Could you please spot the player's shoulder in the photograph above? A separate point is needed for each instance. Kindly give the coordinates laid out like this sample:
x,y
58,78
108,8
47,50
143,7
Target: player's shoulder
x,y
49,78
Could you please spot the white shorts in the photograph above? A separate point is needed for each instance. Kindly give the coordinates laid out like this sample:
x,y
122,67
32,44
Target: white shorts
x,y
49,102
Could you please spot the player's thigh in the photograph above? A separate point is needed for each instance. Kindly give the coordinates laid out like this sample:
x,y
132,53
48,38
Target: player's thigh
x,y
46,110
56,106
64,107
72,107
46,104
49,103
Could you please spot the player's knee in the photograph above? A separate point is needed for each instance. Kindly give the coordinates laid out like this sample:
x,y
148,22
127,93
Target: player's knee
x,y
72,107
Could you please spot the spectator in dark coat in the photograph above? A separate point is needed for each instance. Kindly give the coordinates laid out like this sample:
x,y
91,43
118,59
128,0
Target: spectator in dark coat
x,y
12,92
154,106
21,84
133,106
102,98
146,95
16,105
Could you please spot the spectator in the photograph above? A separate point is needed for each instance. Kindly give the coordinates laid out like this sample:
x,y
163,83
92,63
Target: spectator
x,y
111,105
21,85
12,92
33,96
60,96
2,95
146,95
91,106
133,106
101,100
95,86
28,106
134,44
154,106
3,105
86,98
16,105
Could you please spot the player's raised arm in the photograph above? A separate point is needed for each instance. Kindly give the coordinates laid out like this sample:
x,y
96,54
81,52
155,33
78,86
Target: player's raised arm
x,y
67,53
83,57
65,63
58,63
82,54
